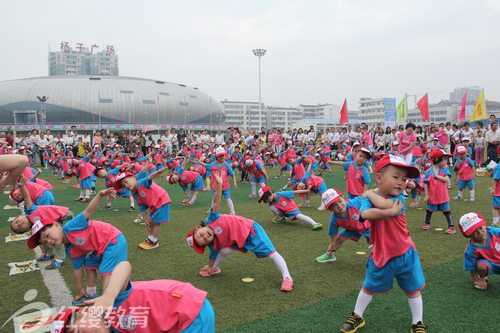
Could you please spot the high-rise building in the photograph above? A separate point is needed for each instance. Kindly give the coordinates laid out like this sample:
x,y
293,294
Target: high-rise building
x,y
242,114
372,110
472,94
83,60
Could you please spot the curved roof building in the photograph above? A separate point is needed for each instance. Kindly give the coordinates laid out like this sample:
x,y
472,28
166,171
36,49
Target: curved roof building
x,y
105,99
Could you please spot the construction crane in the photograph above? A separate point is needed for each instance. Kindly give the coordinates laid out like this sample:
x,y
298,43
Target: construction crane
x,y
422,94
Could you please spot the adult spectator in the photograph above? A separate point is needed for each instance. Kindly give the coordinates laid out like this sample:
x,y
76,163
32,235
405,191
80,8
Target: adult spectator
x,y
493,139
493,118
311,135
467,132
175,141
407,140
50,138
219,138
123,139
34,144
166,139
42,145
9,139
443,137
149,141
86,139
182,137
17,140
98,139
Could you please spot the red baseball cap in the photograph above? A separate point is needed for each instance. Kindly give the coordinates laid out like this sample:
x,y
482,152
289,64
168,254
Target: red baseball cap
x,y
437,153
118,181
470,222
365,150
37,226
330,196
296,189
192,243
169,177
397,161
61,319
96,171
220,151
461,149
263,191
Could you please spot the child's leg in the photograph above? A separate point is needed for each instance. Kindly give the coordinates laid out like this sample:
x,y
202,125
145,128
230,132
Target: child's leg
x,y
460,193
189,195
276,211
280,262
306,219
193,198
59,254
428,216
223,253
131,200
364,299
82,193
87,193
496,213
91,276
449,219
472,193
416,307
230,204
254,187
154,232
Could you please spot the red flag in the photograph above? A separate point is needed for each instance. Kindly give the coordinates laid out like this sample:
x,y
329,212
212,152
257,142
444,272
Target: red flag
x,y
423,106
343,113
461,114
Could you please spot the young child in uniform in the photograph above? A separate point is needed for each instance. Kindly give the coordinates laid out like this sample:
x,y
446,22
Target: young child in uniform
x,y
345,214
226,233
393,254
316,184
148,195
142,306
81,236
283,206
184,179
436,191
495,192
259,174
482,255
465,168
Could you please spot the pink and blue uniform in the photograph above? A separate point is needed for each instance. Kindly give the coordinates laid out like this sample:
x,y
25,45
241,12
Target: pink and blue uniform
x,y
285,204
495,202
189,177
488,255
465,173
439,197
356,179
316,184
257,175
107,244
225,171
56,213
152,196
39,195
324,159
110,183
238,233
393,254
353,229
86,172
299,173
162,306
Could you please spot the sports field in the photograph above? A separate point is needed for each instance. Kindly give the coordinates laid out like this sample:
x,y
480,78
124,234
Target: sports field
x,y
323,295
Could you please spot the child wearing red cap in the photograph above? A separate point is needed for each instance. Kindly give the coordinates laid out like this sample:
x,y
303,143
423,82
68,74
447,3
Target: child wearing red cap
x,y
283,206
225,233
148,195
436,191
495,192
345,214
482,255
259,174
393,254
316,184
184,179
465,169
141,306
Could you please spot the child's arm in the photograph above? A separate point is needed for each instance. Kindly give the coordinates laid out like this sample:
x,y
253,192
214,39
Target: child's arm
x,y
494,186
15,165
377,200
94,204
183,165
235,185
200,162
377,213
156,173
218,192
38,172
26,195
118,283
302,191
443,179
365,187
426,187
335,163
79,283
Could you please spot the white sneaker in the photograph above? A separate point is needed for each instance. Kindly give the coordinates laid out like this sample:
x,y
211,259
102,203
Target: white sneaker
x,y
138,221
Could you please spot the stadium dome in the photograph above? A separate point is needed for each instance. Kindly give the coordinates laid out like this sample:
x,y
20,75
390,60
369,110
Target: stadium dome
x,y
105,99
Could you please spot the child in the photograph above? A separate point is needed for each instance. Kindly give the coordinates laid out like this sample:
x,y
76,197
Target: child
x,y
110,177
39,195
481,256
345,214
479,144
225,233
81,236
259,174
145,306
316,185
148,195
495,192
283,206
466,171
184,179
436,191
357,174
393,253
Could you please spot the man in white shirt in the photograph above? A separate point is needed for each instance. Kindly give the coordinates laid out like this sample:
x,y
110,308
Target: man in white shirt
x,y
219,138
493,140
42,144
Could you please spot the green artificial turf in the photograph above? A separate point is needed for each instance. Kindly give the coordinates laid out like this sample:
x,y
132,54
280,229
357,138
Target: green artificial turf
x,y
323,294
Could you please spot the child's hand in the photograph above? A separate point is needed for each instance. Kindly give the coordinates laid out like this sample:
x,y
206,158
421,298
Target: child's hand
x,y
22,181
99,306
426,199
39,170
218,177
397,206
81,293
108,193
492,191
149,223
481,284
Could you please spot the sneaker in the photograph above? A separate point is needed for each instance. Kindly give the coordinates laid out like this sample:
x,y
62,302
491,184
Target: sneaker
x,y
495,224
426,226
92,192
85,200
419,327
45,257
278,220
457,198
322,207
139,220
83,299
287,284
55,265
304,205
189,203
472,199
252,196
278,177
182,202
317,226
79,199
148,245
205,189
131,209
232,213
352,323
451,231
326,258
106,207
76,186
449,186
214,271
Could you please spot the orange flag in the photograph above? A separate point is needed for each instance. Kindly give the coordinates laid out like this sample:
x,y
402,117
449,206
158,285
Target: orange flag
x,y
343,113
423,106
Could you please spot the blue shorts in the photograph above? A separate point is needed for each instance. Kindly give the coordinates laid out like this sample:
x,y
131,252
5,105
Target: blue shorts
x,y
286,168
406,268
259,180
226,194
196,186
326,167
495,202
115,253
493,268
301,180
124,193
204,321
87,183
159,166
444,207
291,215
321,188
466,183
46,199
161,215
355,235
314,166
93,177
351,196
258,242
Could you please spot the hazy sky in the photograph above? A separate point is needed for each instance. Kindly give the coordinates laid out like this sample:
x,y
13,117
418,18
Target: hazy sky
x,y
317,51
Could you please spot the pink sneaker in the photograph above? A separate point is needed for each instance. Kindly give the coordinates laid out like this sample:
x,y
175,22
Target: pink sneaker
x,y
214,271
76,186
182,202
426,226
232,213
252,196
451,231
287,284
189,203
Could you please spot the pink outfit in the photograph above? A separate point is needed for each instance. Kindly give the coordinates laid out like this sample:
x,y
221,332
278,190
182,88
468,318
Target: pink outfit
x,y
95,237
48,212
406,141
153,197
231,229
187,177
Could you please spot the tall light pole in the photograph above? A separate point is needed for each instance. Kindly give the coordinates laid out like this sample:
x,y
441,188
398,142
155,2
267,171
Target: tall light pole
x,y
42,101
259,53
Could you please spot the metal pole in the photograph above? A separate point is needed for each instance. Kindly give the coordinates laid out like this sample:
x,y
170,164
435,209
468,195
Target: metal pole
x,y
258,53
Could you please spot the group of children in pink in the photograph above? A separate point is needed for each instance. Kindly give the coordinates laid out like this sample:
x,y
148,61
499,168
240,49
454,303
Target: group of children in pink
x,y
379,215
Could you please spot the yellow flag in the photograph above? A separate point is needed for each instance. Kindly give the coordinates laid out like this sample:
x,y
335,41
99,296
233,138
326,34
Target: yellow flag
x,y
479,109
402,110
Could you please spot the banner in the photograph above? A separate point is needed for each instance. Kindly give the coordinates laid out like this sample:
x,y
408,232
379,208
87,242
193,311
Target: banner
x,y
480,108
390,112
110,127
402,110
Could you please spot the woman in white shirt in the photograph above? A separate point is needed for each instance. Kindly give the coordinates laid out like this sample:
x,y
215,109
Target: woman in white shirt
x,y
50,138
166,139
17,140
86,139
